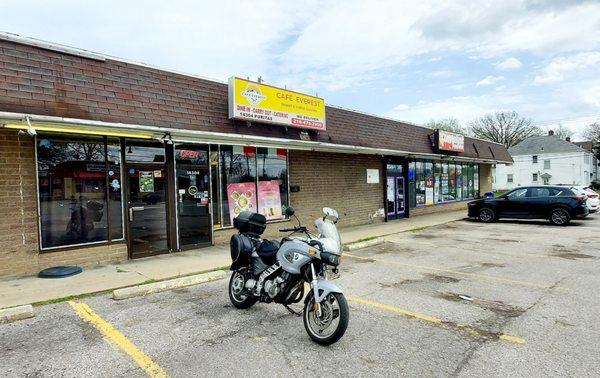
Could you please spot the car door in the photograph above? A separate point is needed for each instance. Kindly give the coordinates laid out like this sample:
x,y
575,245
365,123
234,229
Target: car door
x,y
514,204
540,199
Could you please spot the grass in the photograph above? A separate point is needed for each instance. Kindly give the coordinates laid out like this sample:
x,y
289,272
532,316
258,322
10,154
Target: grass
x,y
365,239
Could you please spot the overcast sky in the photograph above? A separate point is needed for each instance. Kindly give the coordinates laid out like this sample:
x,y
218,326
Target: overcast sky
x,y
414,61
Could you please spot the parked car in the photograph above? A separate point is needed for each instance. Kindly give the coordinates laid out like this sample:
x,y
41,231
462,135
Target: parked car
x,y
593,201
558,204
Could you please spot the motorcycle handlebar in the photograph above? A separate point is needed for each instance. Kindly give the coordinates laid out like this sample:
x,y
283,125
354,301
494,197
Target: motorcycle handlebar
x,y
295,229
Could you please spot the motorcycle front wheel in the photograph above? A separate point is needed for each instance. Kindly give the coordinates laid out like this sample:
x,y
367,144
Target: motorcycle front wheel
x,y
331,325
239,296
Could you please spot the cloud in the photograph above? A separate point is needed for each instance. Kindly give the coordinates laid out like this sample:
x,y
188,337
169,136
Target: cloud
x,y
387,90
555,71
489,80
508,64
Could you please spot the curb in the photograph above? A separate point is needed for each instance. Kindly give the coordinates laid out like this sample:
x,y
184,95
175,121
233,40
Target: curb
x,y
156,287
363,244
8,315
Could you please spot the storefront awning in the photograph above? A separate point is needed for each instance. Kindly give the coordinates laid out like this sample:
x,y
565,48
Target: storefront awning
x,y
40,123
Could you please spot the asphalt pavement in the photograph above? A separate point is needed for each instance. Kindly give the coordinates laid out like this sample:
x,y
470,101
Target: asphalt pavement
x,y
513,298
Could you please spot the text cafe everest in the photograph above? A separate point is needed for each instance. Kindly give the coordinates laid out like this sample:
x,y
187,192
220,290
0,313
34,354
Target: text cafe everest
x,y
107,159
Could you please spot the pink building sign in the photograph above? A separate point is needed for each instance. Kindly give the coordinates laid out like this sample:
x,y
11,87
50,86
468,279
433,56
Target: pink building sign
x,y
269,199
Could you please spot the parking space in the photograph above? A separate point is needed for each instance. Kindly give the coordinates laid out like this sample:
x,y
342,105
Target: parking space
x,y
465,298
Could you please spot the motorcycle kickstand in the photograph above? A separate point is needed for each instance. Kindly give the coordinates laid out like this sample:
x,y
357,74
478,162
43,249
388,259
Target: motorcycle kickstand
x,y
292,310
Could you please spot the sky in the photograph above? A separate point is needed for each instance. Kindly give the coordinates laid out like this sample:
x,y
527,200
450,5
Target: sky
x,y
414,61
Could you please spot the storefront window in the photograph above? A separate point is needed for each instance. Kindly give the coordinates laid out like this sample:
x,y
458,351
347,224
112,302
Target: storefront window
x,y
75,180
476,180
272,182
470,180
465,180
445,176
437,192
429,183
459,192
420,183
142,151
238,182
452,182
113,149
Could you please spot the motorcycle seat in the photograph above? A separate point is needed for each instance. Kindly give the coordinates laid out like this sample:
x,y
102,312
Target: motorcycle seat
x,y
268,248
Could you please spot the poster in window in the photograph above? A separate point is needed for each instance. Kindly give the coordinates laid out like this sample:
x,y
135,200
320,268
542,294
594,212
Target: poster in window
x,y
241,197
269,199
146,182
429,190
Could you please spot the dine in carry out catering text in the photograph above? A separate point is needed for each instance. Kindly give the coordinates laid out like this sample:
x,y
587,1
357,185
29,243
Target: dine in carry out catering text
x,y
251,101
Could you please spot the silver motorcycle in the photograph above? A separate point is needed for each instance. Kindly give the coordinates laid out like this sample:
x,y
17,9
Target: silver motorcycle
x,y
272,271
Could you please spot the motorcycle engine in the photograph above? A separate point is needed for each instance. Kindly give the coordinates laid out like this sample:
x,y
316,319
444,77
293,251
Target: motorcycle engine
x,y
275,286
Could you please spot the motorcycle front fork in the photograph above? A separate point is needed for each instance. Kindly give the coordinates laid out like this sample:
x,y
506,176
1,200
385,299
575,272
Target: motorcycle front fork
x,y
315,288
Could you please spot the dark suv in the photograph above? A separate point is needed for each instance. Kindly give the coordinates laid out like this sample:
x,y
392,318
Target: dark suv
x,y
557,204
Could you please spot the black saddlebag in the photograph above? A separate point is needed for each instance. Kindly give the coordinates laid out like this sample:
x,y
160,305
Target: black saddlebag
x,y
241,247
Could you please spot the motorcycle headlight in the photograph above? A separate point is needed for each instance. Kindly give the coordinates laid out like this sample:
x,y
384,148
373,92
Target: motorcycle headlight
x,y
330,258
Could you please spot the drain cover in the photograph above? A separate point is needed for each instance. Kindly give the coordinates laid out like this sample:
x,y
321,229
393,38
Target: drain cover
x,y
59,272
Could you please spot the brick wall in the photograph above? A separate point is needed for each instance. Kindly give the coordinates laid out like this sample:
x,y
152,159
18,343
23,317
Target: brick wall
x,y
452,206
335,180
38,81
19,251
485,178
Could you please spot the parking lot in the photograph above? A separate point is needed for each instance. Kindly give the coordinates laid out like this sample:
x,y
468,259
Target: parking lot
x,y
511,298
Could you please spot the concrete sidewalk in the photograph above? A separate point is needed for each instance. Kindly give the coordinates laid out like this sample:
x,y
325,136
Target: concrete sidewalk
x,y
134,272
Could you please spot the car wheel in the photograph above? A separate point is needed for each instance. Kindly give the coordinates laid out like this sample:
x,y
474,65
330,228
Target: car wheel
x,y
560,217
486,215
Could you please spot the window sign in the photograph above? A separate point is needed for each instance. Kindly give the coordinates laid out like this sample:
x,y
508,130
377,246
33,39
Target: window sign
x,y
269,199
241,197
146,182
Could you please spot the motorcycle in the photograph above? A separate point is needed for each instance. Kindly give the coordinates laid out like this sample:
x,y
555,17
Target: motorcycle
x,y
271,271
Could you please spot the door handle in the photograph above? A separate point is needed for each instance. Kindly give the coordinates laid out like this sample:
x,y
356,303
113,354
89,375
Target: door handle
x,y
132,209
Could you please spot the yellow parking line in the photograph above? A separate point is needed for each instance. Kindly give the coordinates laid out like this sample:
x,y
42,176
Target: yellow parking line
x,y
431,319
457,272
113,335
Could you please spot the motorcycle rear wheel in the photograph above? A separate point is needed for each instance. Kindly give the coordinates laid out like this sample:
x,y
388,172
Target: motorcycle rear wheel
x,y
239,296
334,307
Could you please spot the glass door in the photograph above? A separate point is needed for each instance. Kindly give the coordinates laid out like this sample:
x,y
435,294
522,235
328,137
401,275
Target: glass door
x,y
193,195
147,209
399,196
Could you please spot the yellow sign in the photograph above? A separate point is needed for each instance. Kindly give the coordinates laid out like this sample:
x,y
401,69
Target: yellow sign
x,y
250,101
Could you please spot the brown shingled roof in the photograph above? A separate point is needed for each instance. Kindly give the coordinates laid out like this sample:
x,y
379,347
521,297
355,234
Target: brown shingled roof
x,y
44,82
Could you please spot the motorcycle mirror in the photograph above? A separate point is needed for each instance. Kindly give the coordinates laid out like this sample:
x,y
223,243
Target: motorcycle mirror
x,y
329,211
289,211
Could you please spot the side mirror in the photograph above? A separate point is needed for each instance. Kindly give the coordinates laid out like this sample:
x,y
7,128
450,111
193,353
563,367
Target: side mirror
x,y
289,211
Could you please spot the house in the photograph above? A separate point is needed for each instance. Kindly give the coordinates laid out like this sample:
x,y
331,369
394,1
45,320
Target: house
x,y
547,160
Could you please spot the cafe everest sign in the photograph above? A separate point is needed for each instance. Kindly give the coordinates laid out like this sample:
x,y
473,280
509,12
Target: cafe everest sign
x,y
256,102
447,141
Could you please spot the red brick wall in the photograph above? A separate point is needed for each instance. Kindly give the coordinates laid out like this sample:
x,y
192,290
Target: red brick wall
x,y
19,250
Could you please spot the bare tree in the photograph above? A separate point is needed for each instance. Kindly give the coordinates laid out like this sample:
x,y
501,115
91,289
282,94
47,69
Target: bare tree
x,y
562,132
447,124
592,132
507,128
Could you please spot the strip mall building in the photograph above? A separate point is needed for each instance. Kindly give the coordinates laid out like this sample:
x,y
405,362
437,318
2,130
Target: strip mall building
x,y
102,159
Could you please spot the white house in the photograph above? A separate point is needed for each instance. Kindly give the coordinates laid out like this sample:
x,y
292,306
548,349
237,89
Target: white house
x,y
546,160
